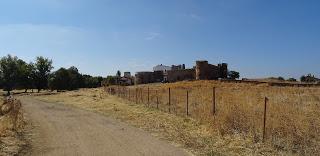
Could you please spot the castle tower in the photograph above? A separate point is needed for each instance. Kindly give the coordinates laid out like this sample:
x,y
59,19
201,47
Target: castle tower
x,y
201,69
223,70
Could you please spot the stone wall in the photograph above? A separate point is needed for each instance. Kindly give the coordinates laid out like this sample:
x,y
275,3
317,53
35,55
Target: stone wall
x,y
180,75
148,77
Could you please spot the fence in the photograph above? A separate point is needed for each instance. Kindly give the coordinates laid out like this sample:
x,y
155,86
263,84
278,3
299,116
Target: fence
x,y
281,115
202,103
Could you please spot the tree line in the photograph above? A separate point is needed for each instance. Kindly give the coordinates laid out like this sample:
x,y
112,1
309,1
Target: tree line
x,y
15,73
309,78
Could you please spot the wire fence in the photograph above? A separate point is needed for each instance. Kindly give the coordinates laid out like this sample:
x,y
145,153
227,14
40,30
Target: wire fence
x,y
274,113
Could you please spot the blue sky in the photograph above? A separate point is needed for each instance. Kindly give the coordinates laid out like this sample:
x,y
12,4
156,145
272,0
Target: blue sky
x,y
259,38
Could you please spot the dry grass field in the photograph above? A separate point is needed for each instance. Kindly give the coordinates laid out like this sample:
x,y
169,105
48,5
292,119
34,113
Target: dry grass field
x,y
292,114
11,126
196,137
292,123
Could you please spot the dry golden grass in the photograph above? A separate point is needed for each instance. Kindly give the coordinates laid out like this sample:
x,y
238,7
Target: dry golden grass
x,y
292,125
197,137
11,126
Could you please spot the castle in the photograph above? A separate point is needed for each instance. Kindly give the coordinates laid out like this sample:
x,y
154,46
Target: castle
x,y
202,71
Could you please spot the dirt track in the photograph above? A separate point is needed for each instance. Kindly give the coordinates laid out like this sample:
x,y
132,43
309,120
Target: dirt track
x,y
64,130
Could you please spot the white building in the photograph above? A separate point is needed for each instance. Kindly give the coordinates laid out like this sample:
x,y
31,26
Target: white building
x,y
161,68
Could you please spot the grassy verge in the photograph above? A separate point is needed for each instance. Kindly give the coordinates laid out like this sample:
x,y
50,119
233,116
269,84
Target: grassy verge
x,y
190,134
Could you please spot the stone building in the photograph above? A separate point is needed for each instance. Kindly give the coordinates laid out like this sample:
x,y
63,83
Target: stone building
x,y
206,71
179,75
202,71
149,77
178,67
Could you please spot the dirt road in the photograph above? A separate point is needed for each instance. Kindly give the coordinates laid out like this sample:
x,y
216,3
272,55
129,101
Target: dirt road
x,y
64,130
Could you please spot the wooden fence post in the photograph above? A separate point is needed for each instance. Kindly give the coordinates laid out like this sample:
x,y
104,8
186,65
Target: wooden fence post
x,y
119,92
129,94
264,119
187,102
148,97
157,99
169,100
141,95
213,101
124,93
136,95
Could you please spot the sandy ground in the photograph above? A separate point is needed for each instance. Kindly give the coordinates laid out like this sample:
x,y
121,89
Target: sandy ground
x,y
64,130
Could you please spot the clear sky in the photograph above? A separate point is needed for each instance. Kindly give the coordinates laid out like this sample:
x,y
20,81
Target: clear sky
x,y
258,38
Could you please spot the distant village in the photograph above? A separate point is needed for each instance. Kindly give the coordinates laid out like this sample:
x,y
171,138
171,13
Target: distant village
x,y
174,73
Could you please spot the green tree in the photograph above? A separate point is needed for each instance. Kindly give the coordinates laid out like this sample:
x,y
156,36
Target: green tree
x,y
9,72
280,78
118,76
118,73
1,82
303,78
60,80
43,66
110,80
76,79
233,75
25,79
292,79
92,82
309,78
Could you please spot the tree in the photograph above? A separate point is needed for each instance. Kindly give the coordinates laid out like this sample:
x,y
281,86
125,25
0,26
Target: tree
x,y
118,76
280,78
92,82
60,80
233,75
308,78
33,75
1,82
25,79
76,80
43,66
118,73
110,80
9,72
292,80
